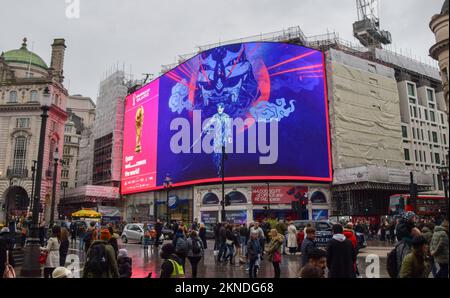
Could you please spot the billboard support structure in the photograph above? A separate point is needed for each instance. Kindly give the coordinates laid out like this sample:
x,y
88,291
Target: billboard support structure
x,y
222,170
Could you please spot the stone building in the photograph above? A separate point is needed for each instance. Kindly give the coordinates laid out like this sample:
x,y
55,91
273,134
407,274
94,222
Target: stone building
x,y
24,78
439,51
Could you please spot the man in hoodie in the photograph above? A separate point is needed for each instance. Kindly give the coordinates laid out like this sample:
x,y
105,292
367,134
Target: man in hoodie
x,y
341,255
439,248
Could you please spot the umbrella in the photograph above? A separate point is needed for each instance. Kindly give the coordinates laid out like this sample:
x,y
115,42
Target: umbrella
x,y
86,213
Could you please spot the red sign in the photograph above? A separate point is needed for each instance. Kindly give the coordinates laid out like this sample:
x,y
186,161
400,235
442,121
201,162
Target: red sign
x,y
277,194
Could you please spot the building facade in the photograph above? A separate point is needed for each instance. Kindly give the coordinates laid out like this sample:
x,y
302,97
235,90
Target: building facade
x,y
24,78
439,51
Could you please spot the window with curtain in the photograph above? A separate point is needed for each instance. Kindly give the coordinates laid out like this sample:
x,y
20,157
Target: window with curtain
x,y
20,154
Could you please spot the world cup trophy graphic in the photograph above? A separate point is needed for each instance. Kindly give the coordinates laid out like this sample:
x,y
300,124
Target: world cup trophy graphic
x,y
139,124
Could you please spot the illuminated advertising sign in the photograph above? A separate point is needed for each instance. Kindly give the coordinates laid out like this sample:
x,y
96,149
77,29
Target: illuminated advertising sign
x,y
260,108
278,194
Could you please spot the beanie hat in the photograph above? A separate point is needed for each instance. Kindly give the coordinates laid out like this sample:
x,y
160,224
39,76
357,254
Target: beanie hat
x,y
408,215
62,272
168,248
105,235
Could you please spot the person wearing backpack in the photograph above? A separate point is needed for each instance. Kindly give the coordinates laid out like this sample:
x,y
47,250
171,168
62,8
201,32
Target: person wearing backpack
x,y
101,259
195,251
6,247
180,244
171,267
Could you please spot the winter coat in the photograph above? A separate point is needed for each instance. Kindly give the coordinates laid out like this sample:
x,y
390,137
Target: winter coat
x,y
275,245
113,242
63,250
307,247
340,257
5,244
202,236
113,271
350,235
125,265
292,236
426,232
402,249
253,249
52,249
439,245
190,246
414,266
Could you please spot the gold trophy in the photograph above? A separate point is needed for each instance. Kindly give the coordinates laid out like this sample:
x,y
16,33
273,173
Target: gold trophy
x,y
139,124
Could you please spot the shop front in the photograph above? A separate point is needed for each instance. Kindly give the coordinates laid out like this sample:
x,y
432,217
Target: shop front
x,y
249,202
174,205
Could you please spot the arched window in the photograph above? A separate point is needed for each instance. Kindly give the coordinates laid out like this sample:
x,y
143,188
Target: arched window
x,y
318,197
20,154
210,199
237,197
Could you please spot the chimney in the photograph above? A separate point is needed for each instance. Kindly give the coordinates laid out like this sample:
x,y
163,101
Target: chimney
x,y
57,62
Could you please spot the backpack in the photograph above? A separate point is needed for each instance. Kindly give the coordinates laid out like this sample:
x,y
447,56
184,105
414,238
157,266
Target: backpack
x,y
391,262
181,246
196,249
97,260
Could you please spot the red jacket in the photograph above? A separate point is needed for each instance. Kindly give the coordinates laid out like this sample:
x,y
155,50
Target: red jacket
x,y
350,235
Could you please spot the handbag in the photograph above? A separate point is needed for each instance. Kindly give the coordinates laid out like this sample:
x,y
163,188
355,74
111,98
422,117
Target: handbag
x,y
43,257
276,256
229,242
9,270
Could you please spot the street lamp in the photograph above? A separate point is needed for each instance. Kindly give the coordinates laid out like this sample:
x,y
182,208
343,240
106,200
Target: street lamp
x,y
55,171
31,267
33,171
167,187
443,171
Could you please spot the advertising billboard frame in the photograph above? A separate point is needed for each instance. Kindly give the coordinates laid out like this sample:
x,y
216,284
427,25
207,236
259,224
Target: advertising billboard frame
x,y
279,178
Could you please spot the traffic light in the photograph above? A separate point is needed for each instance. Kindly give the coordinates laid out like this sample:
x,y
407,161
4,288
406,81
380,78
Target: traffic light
x,y
227,200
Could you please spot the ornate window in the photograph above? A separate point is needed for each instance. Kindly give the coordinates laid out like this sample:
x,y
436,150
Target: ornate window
x,y
20,154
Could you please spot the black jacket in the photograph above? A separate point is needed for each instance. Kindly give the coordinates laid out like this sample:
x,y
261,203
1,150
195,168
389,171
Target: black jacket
x,y
307,247
5,244
253,249
125,267
341,257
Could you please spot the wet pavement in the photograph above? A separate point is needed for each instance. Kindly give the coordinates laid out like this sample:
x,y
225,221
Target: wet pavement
x,y
145,262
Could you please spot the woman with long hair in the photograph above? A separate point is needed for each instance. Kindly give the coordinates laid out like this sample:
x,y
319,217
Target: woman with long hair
x,y
274,251
52,251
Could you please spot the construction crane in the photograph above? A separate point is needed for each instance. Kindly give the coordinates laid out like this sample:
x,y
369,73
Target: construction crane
x,y
367,28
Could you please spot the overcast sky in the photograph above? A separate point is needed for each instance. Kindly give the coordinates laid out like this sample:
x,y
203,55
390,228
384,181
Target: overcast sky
x,y
148,33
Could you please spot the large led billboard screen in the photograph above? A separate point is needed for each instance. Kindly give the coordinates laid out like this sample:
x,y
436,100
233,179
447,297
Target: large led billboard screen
x,y
259,108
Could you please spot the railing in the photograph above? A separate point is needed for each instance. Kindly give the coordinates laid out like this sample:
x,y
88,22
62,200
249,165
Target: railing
x,y
17,172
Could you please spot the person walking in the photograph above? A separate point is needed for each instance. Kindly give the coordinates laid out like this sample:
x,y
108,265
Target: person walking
x,y
158,229
439,249
64,247
171,267
146,238
308,245
6,248
282,229
316,265
202,235
341,255
292,238
230,241
405,231
125,264
113,240
73,232
416,264
274,251
243,237
90,235
195,251
262,240
52,251
81,234
253,252
222,242
180,245
101,261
